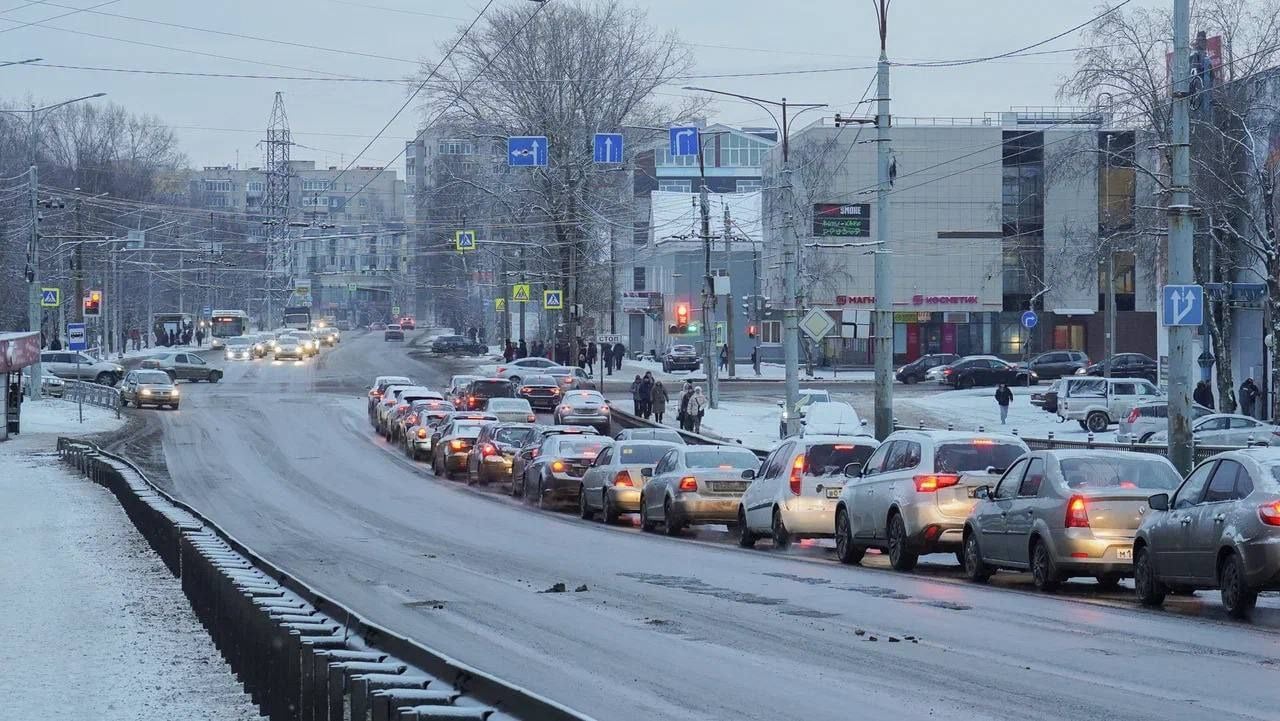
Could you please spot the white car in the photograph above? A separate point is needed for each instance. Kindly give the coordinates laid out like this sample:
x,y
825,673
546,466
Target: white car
x,y
832,418
794,494
511,410
1096,403
521,367
390,399
808,396
1226,429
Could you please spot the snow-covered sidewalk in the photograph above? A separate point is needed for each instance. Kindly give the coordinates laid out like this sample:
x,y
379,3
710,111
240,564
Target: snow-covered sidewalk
x,y
769,372
94,625
968,409
54,416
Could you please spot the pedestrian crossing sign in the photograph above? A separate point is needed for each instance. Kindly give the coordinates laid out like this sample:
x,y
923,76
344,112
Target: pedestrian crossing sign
x,y
552,299
499,304
520,293
50,297
464,240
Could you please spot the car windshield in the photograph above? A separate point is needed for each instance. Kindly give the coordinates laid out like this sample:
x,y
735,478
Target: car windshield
x,y
1138,471
508,404
830,459
153,377
459,381
540,381
976,455
512,436
728,458
579,446
818,397
641,453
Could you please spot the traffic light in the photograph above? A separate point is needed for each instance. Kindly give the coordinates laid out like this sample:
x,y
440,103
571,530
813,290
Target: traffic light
x,y
93,304
682,318
751,331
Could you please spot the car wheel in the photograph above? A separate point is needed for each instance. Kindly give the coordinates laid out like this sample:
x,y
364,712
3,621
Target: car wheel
x,y
609,514
215,376
1043,570
909,380
542,495
974,567
964,383
901,556
1237,597
1097,422
645,523
846,550
1145,437
584,511
1149,589
781,536
746,538
669,522
103,379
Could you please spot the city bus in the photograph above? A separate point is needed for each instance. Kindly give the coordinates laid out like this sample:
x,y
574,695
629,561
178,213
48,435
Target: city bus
x,y
225,324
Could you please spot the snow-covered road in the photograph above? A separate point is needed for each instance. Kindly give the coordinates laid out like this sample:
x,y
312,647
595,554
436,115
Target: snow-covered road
x,y
283,458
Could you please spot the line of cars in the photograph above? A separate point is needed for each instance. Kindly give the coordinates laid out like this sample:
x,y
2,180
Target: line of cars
x,y
984,370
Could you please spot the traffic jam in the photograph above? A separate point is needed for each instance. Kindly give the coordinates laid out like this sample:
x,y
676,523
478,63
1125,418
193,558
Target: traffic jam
x,y
985,499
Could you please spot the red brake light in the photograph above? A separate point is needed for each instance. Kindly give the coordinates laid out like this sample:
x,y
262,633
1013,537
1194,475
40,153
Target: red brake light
x,y
622,479
983,442
532,418
456,444
422,433
557,466
489,450
688,483
933,481
947,371
412,419
1270,514
843,448
1077,514
798,468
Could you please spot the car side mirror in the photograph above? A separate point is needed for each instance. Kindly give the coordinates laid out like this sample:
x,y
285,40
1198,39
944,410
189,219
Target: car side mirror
x,y
851,470
646,472
996,470
1159,502
780,404
748,474
982,492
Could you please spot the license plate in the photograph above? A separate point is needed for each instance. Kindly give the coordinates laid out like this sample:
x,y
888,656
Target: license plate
x,y
833,492
1124,554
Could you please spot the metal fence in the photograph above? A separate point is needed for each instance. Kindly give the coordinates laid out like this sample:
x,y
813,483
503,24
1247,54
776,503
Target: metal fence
x,y
93,394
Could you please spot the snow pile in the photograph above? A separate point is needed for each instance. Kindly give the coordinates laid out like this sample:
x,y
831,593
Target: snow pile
x,y
968,409
51,415
97,626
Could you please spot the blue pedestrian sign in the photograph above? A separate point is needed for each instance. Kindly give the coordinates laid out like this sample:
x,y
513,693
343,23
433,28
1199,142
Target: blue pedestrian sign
x,y
76,339
684,141
50,297
1182,304
608,148
527,151
1029,319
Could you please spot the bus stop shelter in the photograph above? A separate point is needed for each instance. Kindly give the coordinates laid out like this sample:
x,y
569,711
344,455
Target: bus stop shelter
x,y
17,351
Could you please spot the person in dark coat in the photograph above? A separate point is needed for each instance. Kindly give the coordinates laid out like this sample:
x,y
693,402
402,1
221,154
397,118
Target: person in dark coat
x,y
724,356
619,352
658,400
686,423
646,392
636,404
1004,397
508,352
582,358
1203,395
524,349
1248,395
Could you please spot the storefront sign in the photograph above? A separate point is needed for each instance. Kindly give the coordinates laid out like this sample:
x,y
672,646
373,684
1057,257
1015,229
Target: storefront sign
x,y
855,299
943,299
844,220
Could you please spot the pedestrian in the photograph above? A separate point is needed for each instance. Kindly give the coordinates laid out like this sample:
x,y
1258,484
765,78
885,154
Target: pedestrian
x,y
619,352
1203,395
724,356
658,400
636,404
1004,397
523,350
686,394
55,344
508,352
582,358
1248,395
755,359
697,409
200,337
646,391
134,335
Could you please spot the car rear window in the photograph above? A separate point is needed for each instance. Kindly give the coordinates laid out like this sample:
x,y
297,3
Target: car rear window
x,y
512,436
641,453
491,389
508,404
539,381
584,396
975,455
716,459
830,459
579,447
153,377
657,434
468,430
1138,472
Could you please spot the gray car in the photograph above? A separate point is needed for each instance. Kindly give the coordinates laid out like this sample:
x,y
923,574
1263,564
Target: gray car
x,y
915,493
583,408
74,365
1226,429
183,366
1149,418
148,388
613,484
696,485
1064,513
555,474
1220,529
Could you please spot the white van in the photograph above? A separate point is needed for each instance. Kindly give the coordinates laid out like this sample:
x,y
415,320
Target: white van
x,y
832,418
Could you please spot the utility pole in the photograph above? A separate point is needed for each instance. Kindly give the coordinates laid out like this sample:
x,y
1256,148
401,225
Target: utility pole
x,y
883,252
79,299
1111,259
728,308
1180,242
708,292
613,279
33,280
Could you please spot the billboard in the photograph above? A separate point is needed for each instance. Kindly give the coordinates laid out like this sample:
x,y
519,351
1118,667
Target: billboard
x,y
842,220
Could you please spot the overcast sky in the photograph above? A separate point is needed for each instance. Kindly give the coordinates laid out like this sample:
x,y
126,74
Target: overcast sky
x,y
221,120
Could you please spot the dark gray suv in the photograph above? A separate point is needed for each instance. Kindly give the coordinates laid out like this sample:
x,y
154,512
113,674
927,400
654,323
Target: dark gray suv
x,y
1058,363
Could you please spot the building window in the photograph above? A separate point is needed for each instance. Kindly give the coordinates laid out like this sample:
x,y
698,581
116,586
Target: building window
x,y
217,186
315,201
364,202
741,152
771,331
315,185
217,201
640,233
675,186
456,147
255,186
637,278
748,186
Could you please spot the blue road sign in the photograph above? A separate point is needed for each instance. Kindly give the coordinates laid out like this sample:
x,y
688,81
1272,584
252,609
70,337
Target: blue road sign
x,y
684,141
50,297
608,148
527,151
76,339
1182,304
1029,319
206,312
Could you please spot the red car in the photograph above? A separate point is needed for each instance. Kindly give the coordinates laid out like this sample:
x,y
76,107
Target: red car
x,y
408,323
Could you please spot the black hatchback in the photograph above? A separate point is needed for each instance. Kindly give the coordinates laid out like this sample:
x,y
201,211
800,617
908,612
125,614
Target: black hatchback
x,y
480,391
914,371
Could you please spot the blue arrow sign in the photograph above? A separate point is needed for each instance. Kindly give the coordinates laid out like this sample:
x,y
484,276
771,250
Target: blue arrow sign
x,y
684,141
608,148
1182,305
76,339
1029,319
527,151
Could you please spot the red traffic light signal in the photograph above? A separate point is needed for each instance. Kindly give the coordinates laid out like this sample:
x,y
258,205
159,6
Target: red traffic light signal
x,y
682,313
751,331
93,304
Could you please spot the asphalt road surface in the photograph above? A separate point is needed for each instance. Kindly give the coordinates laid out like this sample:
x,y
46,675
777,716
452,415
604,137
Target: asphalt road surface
x,y
282,456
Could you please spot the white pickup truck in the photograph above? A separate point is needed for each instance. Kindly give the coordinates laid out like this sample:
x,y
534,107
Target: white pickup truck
x,y
1096,403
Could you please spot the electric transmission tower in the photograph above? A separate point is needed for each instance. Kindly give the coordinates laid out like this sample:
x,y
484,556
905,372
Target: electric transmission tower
x,y
276,206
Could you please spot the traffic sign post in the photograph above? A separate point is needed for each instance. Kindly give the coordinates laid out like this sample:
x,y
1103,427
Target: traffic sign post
x,y
608,148
520,293
1029,319
351,287
527,151
464,240
395,311
499,304
552,300
1183,305
50,297
683,141
817,324
76,337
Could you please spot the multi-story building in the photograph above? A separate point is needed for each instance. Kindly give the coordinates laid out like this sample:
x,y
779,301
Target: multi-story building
x,y
359,195
989,217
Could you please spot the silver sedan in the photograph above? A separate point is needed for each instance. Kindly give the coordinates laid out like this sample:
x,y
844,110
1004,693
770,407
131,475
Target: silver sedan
x,y
696,485
583,408
613,484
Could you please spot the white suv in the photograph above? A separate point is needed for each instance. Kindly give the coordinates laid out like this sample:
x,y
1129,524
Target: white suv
x,y
521,367
1096,403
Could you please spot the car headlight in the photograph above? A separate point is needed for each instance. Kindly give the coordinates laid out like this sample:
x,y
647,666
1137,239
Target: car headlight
x,y
146,391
